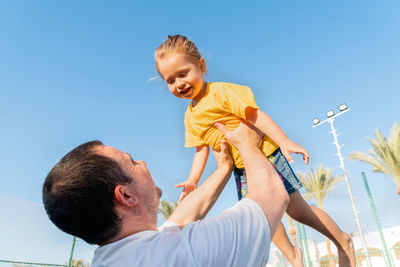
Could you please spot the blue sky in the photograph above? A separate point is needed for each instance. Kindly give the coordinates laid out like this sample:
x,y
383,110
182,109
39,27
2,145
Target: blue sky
x,y
73,71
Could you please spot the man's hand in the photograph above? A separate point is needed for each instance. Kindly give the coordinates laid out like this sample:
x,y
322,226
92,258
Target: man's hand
x,y
195,206
288,147
244,134
187,188
222,156
264,184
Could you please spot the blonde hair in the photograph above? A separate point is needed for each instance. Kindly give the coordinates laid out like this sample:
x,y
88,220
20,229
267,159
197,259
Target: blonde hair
x,y
177,43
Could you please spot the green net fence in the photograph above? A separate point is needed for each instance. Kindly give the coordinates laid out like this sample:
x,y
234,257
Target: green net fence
x,y
379,250
28,238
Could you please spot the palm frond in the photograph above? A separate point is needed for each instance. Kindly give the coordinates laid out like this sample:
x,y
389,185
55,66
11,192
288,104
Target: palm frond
x,y
319,183
394,140
167,208
371,158
384,155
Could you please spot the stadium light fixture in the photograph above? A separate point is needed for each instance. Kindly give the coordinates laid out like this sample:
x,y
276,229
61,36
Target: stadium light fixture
x,y
343,107
330,113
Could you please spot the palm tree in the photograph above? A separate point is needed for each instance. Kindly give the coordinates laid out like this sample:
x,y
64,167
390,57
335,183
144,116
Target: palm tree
x,y
79,263
292,230
384,155
167,208
319,183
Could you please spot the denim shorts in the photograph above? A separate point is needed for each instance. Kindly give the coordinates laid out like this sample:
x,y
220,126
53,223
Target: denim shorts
x,y
282,167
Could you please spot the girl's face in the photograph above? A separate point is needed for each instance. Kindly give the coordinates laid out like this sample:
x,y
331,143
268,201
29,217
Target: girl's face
x,y
183,75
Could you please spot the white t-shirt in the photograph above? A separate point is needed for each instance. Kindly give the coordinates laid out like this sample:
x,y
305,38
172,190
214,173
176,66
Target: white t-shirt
x,y
238,237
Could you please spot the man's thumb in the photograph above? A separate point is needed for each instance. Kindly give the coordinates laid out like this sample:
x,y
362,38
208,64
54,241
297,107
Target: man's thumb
x,y
221,127
223,144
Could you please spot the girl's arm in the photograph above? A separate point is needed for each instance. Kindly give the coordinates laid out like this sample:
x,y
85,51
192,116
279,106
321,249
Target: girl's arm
x,y
198,165
199,202
264,122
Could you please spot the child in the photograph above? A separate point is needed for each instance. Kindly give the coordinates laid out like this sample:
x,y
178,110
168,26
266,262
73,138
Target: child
x,y
181,66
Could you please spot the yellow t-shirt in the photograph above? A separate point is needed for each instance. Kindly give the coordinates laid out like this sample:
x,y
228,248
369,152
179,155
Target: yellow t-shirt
x,y
225,103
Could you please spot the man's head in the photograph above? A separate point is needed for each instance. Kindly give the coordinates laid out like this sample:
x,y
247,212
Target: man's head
x,y
93,188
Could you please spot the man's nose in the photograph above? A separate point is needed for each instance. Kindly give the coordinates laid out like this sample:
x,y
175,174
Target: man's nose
x,y
141,162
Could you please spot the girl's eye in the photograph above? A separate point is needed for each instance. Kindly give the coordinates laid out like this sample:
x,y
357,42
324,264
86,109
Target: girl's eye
x,y
170,81
183,74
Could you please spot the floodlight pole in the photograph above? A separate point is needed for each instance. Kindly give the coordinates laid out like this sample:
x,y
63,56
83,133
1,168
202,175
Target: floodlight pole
x,y
333,132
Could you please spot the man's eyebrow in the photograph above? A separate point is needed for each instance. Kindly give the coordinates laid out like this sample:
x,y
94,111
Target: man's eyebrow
x,y
130,156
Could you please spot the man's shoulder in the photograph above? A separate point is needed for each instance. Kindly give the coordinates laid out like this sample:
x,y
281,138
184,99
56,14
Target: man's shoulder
x,y
139,249
246,204
169,226
246,210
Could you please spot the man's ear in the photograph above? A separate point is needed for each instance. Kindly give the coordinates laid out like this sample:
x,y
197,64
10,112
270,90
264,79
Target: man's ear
x,y
203,66
124,196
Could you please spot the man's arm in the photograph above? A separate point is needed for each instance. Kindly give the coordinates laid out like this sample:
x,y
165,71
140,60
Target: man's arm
x,y
264,184
196,205
267,125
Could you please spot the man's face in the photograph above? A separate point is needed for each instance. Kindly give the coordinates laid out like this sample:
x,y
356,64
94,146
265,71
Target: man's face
x,y
142,182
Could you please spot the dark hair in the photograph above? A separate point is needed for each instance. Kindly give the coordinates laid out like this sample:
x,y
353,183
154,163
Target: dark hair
x,y
78,194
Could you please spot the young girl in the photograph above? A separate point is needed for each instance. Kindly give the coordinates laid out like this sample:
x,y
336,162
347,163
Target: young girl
x,y
181,66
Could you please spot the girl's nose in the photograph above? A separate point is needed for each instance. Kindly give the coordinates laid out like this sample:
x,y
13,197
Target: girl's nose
x,y
180,84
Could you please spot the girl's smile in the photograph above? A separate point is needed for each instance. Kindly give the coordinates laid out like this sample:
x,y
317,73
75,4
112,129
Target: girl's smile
x,y
183,75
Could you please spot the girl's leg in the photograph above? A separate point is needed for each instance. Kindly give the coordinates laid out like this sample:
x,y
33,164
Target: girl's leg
x,y
292,253
318,219
280,238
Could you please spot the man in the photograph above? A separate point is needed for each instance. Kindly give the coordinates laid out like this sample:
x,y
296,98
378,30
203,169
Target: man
x,y
103,196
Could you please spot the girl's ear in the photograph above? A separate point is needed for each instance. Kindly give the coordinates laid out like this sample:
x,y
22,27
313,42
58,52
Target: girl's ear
x,y
202,65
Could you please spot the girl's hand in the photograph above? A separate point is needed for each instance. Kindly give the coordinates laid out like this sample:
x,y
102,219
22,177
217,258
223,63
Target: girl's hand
x,y
288,147
187,188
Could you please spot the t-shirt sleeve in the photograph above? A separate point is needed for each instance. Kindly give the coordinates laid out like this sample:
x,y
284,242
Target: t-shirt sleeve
x,y
238,98
169,227
239,237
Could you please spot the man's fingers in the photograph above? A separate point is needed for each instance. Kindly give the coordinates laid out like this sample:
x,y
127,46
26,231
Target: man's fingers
x,y
223,145
221,127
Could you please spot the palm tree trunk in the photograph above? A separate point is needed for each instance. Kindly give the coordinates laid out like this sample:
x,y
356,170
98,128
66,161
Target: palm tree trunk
x,y
292,231
328,241
330,254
